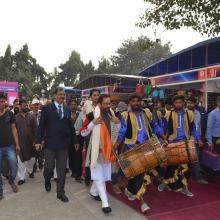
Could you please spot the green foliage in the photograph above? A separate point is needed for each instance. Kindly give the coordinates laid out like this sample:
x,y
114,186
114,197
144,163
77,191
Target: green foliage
x,y
201,15
133,56
105,66
130,58
23,68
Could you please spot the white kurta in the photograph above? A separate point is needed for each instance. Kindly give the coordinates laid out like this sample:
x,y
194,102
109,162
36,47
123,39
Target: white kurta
x,y
101,171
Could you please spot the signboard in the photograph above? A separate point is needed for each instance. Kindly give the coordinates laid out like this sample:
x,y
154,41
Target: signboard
x,y
8,87
11,89
190,76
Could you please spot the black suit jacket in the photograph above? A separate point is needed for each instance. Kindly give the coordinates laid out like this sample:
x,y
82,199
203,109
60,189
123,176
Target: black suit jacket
x,y
57,133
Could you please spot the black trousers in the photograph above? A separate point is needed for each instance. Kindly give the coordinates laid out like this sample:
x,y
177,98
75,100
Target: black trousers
x,y
135,184
60,157
87,169
75,157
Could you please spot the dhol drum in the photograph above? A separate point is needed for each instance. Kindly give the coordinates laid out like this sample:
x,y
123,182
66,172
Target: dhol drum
x,y
181,153
142,158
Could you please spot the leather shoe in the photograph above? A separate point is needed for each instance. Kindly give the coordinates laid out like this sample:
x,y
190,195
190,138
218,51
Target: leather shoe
x,y
106,210
31,175
48,187
14,187
63,198
97,198
21,182
87,182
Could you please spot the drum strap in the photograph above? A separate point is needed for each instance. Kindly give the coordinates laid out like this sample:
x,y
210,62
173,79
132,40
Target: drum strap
x,y
189,124
188,151
148,124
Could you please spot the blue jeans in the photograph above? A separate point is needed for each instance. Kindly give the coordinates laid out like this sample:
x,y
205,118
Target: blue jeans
x,y
9,153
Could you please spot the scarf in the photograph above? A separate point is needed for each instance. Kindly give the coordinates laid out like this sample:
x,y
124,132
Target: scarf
x,y
101,137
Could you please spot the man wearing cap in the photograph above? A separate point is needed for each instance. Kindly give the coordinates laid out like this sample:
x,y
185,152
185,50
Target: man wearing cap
x,y
37,113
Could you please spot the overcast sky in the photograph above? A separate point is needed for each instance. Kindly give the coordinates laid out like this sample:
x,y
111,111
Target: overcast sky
x,y
94,28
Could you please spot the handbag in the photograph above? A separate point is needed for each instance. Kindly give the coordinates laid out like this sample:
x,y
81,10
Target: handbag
x,y
210,159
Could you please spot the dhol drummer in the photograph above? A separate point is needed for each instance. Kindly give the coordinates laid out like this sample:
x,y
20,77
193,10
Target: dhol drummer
x,y
137,126
180,127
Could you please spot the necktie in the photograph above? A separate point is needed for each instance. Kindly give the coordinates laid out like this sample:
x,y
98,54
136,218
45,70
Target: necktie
x,y
60,111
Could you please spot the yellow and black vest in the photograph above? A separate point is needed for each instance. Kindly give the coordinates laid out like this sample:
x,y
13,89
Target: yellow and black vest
x,y
172,124
132,125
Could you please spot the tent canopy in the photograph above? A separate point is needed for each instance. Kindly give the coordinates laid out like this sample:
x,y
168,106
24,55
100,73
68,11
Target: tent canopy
x,y
203,54
98,80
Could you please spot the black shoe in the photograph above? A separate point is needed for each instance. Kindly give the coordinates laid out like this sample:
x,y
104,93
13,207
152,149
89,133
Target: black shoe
x,y
31,175
87,182
6,176
73,175
106,210
55,179
21,182
35,168
97,198
41,166
1,196
79,179
63,198
48,187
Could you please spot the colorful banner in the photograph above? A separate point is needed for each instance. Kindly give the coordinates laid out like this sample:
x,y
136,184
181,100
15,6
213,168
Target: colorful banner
x,y
8,87
174,79
11,89
211,72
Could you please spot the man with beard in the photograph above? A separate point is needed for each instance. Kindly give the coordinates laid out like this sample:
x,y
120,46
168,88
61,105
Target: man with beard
x,y
26,126
103,126
15,109
89,107
8,144
57,130
137,126
180,127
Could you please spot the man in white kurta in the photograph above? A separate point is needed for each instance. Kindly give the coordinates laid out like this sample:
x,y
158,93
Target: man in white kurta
x,y
103,126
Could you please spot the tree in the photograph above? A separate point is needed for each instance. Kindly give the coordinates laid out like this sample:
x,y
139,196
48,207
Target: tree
x,y
88,70
134,55
71,70
104,67
31,76
201,15
23,68
6,65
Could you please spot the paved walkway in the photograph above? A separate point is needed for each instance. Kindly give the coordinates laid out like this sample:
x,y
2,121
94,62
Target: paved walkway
x,y
33,203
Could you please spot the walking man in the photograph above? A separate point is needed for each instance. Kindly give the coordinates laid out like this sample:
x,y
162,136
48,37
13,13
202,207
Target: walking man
x,y
57,130
26,127
103,126
8,144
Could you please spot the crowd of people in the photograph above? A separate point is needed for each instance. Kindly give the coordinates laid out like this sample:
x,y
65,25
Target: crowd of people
x,y
52,137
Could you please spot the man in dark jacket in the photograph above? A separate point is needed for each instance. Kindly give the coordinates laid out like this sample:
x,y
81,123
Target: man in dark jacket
x,y
57,131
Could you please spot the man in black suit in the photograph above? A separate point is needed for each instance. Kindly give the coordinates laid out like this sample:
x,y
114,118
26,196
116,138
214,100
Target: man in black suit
x,y
58,133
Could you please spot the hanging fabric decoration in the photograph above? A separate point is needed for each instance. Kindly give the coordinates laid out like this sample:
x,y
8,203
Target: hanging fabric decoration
x,y
140,87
